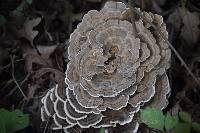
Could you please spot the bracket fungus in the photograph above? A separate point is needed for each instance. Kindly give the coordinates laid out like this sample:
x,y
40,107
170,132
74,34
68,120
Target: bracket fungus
x,y
115,69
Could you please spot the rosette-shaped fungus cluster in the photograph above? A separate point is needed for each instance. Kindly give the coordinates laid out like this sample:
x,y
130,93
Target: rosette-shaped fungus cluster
x,y
115,68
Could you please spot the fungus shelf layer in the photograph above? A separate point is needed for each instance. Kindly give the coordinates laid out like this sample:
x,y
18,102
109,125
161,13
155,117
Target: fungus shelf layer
x,y
115,69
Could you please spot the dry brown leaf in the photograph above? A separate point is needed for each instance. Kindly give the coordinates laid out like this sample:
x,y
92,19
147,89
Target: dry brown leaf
x,y
27,31
190,31
32,56
57,76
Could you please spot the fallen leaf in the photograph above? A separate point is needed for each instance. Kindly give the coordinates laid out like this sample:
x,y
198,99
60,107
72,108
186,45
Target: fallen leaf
x,y
27,31
55,75
190,21
38,56
190,31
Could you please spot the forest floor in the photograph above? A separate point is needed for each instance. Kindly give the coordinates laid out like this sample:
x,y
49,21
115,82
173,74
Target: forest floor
x,y
33,34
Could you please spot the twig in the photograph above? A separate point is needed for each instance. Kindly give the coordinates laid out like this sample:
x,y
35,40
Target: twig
x,y
13,76
13,90
49,35
16,61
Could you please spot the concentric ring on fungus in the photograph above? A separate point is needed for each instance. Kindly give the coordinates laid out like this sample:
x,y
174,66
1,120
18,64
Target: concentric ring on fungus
x,y
113,71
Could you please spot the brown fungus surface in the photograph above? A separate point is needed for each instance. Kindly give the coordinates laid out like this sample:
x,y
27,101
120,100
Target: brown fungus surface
x,y
114,70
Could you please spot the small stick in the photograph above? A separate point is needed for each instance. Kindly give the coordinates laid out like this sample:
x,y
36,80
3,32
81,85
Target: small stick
x,y
16,61
14,89
13,76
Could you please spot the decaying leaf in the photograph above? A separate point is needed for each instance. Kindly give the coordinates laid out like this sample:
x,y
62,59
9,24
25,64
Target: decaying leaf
x,y
190,30
114,69
27,31
39,56
44,65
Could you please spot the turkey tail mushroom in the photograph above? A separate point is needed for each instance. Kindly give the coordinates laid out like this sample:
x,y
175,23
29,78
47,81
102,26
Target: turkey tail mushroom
x,y
114,70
